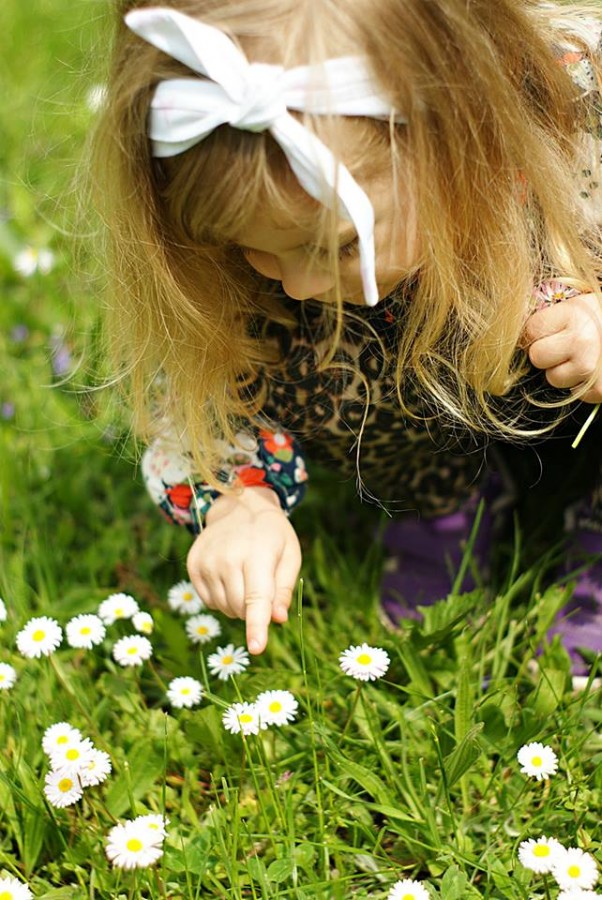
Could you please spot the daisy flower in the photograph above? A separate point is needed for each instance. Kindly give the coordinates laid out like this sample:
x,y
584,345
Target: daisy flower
x,y
72,756
30,260
143,622
575,869
227,661
131,845
203,628
8,676
59,734
40,637
276,708
540,854
85,631
155,824
407,889
96,770
364,663
117,606
183,598
62,789
3,612
537,760
13,889
132,650
184,692
242,718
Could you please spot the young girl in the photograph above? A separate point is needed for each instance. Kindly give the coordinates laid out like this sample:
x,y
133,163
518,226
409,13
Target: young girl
x,y
340,231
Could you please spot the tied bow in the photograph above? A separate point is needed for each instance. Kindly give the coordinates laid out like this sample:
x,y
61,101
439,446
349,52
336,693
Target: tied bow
x,y
257,97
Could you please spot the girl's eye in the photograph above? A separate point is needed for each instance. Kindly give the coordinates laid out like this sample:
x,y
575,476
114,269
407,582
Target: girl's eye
x,y
345,252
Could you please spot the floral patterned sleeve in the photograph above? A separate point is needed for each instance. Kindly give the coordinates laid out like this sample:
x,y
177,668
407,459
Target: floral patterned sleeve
x,y
272,459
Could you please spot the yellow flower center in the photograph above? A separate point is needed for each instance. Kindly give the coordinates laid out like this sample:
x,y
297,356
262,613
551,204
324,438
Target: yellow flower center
x,y
132,651
62,739
275,706
2,676
65,785
408,897
541,850
119,613
72,754
185,691
574,871
153,826
85,630
187,597
227,660
38,635
364,659
202,629
6,895
245,718
134,845
536,761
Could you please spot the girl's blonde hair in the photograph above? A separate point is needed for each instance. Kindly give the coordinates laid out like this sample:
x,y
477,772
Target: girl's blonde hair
x,y
491,150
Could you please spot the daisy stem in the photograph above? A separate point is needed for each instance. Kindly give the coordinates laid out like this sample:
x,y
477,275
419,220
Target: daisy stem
x,y
546,887
358,693
134,887
157,677
67,688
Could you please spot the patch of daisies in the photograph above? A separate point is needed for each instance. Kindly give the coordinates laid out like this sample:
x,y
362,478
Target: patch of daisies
x,y
75,764
574,870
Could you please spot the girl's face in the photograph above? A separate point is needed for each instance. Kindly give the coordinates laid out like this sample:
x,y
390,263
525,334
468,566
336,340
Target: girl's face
x,y
286,250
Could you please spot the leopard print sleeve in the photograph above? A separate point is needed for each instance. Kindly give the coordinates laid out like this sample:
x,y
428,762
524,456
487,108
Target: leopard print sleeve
x,y
271,459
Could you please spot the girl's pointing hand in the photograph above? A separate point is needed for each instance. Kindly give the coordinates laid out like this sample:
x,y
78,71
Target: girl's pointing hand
x,y
246,561
566,341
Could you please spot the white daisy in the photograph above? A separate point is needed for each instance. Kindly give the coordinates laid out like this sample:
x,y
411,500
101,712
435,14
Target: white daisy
x,y
58,735
117,606
62,789
131,845
96,770
203,628
3,612
364,663
575,869
143,622
539,854
85,631
227,661
30,260
155,824
276,708
537,760
13,889
72,756
39,637
183,598
184,692
8,676
407,889
242,718
132,650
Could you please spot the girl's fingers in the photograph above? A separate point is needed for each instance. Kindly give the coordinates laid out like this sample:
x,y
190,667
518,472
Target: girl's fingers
x,y
258,599
286,577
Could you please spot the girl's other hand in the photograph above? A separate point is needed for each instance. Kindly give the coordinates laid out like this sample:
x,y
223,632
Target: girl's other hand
x,y
246,561
566,341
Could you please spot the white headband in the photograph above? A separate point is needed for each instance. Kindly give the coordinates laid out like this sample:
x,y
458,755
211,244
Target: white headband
x,y
257,97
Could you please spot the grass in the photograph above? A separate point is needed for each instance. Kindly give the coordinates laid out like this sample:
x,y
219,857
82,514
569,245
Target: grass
x,y
412,776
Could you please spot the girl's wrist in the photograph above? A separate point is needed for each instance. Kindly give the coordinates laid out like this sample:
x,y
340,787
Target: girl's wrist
x,y
253,499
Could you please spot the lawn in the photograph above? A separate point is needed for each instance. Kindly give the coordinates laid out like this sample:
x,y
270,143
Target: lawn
x,y
412,776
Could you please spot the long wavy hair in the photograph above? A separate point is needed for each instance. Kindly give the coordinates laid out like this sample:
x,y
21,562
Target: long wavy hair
x,y
491,149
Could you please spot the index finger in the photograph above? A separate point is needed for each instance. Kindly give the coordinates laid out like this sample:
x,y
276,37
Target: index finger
x,y
258,599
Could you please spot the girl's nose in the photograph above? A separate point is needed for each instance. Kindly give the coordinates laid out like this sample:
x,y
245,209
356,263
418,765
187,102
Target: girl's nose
x,y
298,280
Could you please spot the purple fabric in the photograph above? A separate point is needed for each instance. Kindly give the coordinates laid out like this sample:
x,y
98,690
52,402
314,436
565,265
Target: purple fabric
x,y
425,556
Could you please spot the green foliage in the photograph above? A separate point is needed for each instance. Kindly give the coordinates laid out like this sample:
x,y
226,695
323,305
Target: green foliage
x,y
413,776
